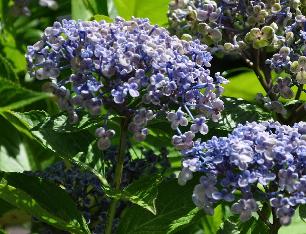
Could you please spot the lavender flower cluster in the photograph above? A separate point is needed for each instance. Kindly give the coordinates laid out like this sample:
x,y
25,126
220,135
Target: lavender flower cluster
x,y
233,24
86,191
258,162
130,68
268,35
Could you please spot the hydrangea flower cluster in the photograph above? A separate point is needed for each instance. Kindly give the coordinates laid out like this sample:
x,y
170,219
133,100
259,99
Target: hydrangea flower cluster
x,y
86,190
268,35
232,24
257,163
131,68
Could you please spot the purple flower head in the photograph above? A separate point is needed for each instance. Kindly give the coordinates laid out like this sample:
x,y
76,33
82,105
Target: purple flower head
x,y
115,65
255,155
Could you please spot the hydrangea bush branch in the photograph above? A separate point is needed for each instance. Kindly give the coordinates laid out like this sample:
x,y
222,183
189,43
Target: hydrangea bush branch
x,y
268,35
133,70
257,165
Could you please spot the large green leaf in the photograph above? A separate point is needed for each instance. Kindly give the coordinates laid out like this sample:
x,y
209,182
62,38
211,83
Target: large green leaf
x,y
155,10
244,85
8,46
13,96
55,133
174,210
44,200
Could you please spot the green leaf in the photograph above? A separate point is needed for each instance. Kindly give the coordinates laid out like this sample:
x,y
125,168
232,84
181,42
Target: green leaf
x,y
55,133
302,212
184,221
96,6
92,160
7,70
13,96
44,200
229,226
13,155
244,85
237,111
9,47
210,223
155,10
85,9
258,227
143,192
79,10
102,17
174,210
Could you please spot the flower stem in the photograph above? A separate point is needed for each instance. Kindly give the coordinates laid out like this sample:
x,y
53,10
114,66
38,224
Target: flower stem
x,y
276,224
118,174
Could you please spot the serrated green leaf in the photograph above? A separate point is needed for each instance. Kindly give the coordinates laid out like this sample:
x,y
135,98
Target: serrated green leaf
x,y
56,133
143,192
13,96
174,208
155,10
183,222
44,200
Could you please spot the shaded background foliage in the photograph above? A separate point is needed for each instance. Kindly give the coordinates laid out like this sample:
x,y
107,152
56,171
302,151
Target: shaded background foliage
x,y
35,134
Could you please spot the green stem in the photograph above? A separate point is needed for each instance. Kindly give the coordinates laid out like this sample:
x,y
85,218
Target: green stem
x,y
276,224
118,174
264,214
299,92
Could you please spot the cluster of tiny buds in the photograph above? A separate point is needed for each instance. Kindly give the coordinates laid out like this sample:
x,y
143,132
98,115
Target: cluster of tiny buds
x,y
139,123
104,136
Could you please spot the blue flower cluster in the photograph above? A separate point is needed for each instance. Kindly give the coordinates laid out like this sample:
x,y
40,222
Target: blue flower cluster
x,y
268,35
132,68
258,162
86,190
